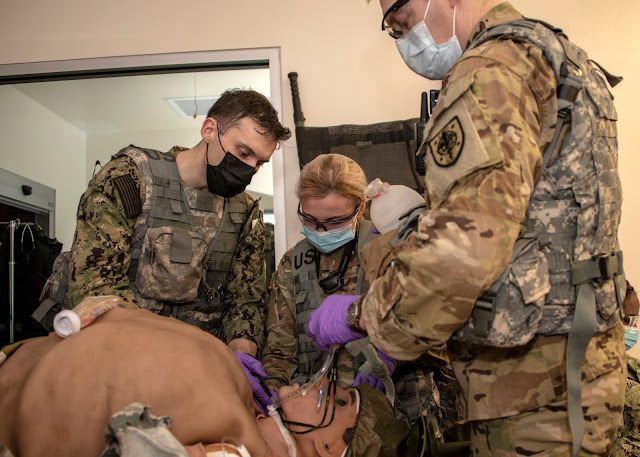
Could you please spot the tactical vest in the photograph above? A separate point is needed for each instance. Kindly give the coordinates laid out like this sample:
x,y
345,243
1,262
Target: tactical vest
x,y
183,244
565,275
308,295
570,241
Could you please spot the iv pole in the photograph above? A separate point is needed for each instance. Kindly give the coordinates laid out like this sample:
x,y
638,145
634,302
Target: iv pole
x,y
12,263
13,225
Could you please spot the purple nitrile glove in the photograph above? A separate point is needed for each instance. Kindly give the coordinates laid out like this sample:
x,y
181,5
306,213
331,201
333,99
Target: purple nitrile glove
x,y
372,379
374,230
327,325
253,368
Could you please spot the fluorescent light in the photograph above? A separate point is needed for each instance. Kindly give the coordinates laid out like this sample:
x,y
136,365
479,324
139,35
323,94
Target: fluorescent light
x,y
186,106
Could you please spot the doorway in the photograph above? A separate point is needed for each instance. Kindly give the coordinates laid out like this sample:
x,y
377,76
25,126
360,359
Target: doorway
x,y
94,107
61,120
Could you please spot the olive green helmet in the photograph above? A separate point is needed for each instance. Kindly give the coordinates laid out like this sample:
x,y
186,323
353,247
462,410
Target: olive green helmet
x,y
377,431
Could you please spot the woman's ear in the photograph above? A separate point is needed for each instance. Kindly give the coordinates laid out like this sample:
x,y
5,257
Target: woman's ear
x,y
363,208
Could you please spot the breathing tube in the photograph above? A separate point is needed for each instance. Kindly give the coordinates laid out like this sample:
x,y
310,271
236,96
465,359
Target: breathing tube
x,y
373,364
273,409
322,373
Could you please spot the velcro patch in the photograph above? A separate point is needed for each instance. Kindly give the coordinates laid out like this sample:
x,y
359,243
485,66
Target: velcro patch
x,y
129,195
455,149
447,145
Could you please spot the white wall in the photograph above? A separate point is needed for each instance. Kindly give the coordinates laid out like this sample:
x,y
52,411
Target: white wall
x,y
350,72
27,129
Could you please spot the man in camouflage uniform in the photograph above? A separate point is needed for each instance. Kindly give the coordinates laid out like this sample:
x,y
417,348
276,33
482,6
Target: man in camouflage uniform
x,y
488,198
201,212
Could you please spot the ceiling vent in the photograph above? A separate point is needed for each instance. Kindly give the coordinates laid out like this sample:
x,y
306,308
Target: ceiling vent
x,y
186,106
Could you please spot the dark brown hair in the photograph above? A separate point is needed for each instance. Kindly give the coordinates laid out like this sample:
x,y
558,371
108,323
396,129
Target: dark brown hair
x,y
236,104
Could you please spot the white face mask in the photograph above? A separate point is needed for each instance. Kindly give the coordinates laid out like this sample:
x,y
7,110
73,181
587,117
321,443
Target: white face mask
x,y
421,53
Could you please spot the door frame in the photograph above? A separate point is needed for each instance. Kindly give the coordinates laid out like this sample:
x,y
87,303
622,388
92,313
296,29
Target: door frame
x,y
229,59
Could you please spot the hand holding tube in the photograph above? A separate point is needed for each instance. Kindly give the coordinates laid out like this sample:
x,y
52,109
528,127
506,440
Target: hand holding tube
x,y
373,380
253,369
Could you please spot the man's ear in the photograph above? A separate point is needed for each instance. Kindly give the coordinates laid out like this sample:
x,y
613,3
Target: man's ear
x,y
209,129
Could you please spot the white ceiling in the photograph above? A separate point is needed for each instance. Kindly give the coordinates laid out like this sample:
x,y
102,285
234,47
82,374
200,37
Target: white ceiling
x,y
131,103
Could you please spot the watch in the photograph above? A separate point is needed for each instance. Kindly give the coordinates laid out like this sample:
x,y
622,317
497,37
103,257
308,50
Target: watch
x,y
353,317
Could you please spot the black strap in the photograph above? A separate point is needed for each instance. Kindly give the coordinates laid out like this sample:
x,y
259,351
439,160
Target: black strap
x,y
335,280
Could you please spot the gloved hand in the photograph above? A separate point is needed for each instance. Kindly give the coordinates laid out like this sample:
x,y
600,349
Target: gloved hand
x,y
327,325
372,379
253,368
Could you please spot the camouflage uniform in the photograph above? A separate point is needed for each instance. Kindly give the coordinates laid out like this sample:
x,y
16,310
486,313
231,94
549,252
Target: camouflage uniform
x,y
501,98
101,253
426,377
627,442
134,431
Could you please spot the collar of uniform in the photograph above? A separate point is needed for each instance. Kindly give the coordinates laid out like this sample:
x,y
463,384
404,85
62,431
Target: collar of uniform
x,y
177,150
503,12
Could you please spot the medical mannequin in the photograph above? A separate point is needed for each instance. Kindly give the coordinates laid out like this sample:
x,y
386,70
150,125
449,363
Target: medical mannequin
x,y
56,388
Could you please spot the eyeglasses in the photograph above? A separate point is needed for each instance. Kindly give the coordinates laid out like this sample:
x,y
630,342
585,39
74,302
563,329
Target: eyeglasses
x,y
630,321
325,225
395,7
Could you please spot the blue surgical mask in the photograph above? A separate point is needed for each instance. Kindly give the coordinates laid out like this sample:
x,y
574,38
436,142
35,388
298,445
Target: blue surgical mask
x,y
421,53
330,240
630,337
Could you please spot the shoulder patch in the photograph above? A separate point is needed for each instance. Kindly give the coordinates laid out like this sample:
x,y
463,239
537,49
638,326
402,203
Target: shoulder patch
x,y
455,149
446,146
129,195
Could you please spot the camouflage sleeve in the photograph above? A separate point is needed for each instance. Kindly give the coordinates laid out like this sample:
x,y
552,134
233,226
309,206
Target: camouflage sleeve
x,y
477,193
280,354
247,284
100,257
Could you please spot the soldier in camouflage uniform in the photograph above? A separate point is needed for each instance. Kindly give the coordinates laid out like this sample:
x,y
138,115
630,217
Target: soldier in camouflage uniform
x,y
300,285
175,232
515,262
627,442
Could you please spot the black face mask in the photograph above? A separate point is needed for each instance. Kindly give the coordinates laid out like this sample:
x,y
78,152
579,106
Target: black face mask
x,y
230,177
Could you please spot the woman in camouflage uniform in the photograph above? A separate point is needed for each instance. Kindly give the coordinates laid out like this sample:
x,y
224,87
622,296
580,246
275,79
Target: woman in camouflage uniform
x,y
331,190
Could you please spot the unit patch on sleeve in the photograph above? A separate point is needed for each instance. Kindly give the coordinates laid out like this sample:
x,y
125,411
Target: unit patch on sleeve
x,y
446,146
454,148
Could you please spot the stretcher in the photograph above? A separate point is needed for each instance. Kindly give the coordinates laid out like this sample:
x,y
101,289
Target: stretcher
x,y
384,150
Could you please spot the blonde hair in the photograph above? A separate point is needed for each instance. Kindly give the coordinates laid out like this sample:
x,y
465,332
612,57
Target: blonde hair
x,y
332,174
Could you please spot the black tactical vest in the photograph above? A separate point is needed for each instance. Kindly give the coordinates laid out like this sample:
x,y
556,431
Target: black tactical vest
x,y
308,295
186,226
